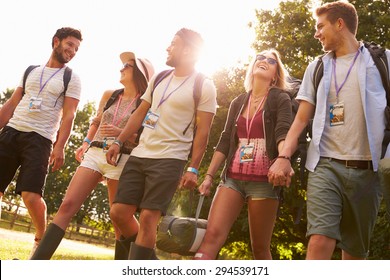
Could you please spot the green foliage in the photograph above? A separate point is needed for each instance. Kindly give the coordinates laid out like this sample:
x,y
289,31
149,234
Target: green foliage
x,y
5,95
380,242
235,250
296,45
374,21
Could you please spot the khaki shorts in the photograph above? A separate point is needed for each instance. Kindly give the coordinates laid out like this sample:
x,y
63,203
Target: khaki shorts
x,y
342,203
149,183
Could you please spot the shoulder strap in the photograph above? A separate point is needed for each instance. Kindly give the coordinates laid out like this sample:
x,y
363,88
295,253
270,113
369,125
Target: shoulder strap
x,y
112,98
160,76
318,73
67,76
197,93
26,73
378,54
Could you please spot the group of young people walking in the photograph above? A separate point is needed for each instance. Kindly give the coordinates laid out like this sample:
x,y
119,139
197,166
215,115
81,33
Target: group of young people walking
x,y
140,144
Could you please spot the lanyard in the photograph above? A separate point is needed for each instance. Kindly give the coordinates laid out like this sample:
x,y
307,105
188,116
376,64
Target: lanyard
x,y
163,98
335,78
249,124
116,122
40,81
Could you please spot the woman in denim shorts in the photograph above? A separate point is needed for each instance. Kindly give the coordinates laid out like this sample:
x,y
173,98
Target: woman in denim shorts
x,y
105,127
255,129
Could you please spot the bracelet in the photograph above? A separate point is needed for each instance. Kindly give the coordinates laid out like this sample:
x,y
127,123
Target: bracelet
x,y
118,142
193,170
285,157
87,140
208,174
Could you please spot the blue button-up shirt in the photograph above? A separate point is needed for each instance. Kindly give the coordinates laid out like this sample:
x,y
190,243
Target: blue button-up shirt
x,y
373,97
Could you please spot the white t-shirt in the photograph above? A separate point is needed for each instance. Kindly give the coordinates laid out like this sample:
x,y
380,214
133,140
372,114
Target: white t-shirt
x,y
348,141
167,140
45,122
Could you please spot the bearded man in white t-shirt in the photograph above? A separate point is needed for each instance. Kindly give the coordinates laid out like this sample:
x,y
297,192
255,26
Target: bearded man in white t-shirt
x,y
36,123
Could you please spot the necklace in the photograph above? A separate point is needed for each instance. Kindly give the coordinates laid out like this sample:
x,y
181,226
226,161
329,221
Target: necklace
x,y
255,101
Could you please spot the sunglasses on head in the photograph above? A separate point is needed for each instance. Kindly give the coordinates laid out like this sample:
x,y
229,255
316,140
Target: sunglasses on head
x,y
261,57
127,65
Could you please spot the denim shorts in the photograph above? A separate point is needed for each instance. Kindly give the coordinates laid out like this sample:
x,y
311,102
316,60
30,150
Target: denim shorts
x,y
253,190
95,159
342,204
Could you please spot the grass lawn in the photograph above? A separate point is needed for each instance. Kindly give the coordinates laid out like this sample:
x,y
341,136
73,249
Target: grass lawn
x,y
10,249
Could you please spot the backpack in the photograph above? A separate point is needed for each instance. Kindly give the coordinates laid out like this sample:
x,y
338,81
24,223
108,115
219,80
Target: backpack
x,y
197,92
112,99
66,78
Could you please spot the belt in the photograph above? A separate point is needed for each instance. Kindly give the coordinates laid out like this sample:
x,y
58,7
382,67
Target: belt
x,y
99,144
358,164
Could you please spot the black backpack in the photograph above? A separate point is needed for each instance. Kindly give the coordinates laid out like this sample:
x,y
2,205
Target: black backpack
x,y
66,78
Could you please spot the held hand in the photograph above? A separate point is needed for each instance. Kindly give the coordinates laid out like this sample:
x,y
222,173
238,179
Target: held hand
x,y
204,188
109,130
79,154
57,158
112,154
280,173
189,180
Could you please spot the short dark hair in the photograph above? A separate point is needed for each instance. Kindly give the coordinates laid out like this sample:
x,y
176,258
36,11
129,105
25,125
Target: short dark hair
x,y
191,38
65,32
340,9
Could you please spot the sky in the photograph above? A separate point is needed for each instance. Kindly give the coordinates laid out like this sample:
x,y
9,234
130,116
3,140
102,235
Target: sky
x,y
145,27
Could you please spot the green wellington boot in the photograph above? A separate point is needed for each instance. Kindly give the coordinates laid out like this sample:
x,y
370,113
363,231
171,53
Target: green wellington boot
x,y
49,243
122,247
138,252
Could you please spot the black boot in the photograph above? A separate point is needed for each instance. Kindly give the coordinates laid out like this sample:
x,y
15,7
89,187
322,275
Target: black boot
x,y
49,243
138,252
122,247
154,256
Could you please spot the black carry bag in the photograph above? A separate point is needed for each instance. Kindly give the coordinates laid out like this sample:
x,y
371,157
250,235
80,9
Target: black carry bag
x,y
181,235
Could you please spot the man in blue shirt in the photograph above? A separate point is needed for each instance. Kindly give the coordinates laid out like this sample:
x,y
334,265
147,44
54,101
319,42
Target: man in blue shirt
x,y
343,193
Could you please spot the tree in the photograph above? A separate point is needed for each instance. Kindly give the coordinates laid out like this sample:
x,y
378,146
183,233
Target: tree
x,y
292,37
5,95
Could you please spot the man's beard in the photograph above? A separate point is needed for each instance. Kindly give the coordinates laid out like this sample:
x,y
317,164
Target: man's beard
x,y
58,54
171,62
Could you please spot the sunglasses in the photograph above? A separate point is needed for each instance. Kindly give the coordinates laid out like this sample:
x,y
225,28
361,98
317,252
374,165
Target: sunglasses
x,y
127,65
261,57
